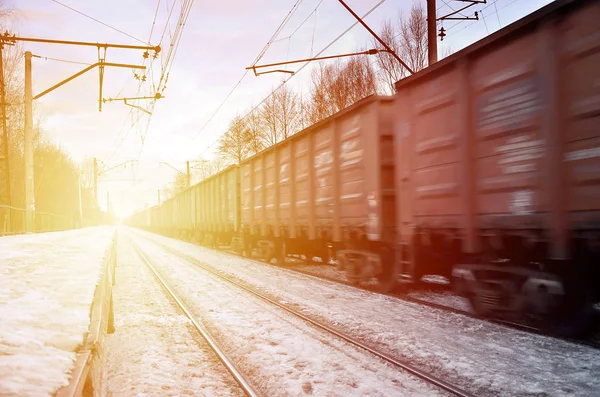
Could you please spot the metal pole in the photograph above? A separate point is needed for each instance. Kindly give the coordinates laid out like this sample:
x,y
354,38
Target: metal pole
x,y
80,207
5,136
29,187
158,191
387,48
431,32
96,180
6,37
189,176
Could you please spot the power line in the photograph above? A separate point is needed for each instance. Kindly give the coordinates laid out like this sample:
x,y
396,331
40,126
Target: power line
x,y
261,53
100,22
302,24
295,73
468,26
498,15
484,22
220,106
62,60
186,8
122,135
277,31
154,20
184,12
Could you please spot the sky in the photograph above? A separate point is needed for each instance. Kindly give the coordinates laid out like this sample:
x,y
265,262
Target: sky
x,y
219,40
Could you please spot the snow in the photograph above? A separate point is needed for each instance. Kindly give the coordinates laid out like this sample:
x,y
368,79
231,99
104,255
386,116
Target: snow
x,y
47,285
446,298
280,354
482,357
155,351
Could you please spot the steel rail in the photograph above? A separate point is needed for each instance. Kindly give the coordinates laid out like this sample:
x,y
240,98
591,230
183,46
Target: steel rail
x,y
237,375
512,325
405,366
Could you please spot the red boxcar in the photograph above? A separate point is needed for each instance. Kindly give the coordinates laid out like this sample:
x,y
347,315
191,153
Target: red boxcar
x,y
328,187
216,210
498,159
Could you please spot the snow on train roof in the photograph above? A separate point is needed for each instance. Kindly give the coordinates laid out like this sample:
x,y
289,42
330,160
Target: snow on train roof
x,y
47,284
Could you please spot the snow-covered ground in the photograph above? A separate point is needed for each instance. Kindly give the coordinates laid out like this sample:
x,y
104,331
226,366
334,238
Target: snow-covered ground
x,y
280,354
445,298
47,284
155,351
482,357
448,299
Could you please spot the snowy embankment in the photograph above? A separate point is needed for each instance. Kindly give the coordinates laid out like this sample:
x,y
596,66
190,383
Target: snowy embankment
x,y
482,357
47,284
280,354
155,351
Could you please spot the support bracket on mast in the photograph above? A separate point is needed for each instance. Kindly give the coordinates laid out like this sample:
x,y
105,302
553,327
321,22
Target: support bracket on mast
x,y
157,96
102,63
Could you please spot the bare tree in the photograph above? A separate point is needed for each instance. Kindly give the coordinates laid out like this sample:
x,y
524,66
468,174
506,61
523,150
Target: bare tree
x,y
408,40
255,125
179,184
281,115
234,145
339,85
205,168
268,114
446,51
288,114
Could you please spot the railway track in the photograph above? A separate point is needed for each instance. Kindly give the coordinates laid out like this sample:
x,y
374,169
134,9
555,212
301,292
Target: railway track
x,y
233,370
506,323
429,378
403,296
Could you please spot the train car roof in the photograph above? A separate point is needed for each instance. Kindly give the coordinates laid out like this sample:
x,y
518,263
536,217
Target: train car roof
x,y
520,27
358,104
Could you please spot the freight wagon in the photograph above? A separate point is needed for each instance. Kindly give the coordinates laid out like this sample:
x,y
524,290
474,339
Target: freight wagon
x,y
484,167
326,191
498,166
207,213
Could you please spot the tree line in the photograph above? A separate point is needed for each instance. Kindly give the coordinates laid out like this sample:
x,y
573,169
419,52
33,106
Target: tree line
x,y
56,175
333,87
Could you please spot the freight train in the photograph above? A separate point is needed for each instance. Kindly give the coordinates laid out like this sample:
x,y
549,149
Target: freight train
x,y
483,168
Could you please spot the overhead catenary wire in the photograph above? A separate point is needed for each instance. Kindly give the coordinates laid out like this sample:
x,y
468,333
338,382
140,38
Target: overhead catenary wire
x,y
497,15
259,56
100,22
165,70
379,3
174,45
484,22
120,138
61,60
491,3
184,14
470,25
301,24
277,31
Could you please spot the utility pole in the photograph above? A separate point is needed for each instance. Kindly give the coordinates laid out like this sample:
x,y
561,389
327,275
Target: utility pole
x,y
29,187
189,175
80,206
431,32
4,154
96,180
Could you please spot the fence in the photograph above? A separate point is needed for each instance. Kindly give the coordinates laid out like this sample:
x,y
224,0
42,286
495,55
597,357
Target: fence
x,y
12,221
